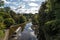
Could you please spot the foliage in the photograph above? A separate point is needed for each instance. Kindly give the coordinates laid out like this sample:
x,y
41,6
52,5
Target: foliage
x,y
1,10
1,33
28,16
22,19
1,19
49,20
9,22
6,16
1,3
42,20
7,9
2,26
35,19
1,13
52,27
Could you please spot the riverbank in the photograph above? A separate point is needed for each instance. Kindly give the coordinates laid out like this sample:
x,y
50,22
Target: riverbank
x,y
9,32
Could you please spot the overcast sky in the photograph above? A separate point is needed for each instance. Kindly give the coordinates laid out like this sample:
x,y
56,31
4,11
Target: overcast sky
x,y
24,6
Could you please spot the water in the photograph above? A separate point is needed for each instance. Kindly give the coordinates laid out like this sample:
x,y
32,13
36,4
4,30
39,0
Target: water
x,y
28,33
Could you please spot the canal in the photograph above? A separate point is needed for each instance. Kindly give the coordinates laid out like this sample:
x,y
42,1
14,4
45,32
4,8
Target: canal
x,y
27,34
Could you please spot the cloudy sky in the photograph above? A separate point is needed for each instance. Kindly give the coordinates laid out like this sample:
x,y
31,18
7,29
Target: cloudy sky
x,y
24,6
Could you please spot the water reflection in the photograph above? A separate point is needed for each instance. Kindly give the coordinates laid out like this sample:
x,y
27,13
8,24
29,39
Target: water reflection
x,y
28,33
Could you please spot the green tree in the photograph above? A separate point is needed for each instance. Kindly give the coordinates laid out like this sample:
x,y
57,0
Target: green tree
x,y
22,19
1,9
42,20
7,9
35,19
9,22
6,16
1,3
49,21
1,19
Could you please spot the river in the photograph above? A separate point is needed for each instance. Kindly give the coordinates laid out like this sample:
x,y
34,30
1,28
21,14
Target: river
x,y
27,34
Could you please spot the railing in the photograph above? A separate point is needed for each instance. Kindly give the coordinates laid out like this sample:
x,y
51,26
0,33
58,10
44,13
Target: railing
x,y
13,31
14,36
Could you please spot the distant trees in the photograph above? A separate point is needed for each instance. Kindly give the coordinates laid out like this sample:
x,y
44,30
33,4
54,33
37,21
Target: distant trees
x,y
28,16
35,19
8,17
22,19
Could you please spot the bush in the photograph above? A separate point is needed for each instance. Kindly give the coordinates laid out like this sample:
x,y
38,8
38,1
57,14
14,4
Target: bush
x,y
6,16
1,33
2,26
52,28
1,13
35,19
1,19
9,22
22,19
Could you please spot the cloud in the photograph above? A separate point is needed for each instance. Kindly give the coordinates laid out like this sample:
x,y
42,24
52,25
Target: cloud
x,y
30,6
22,6
9,2
30,10
33,4
34,10
13,7
6,2
31,0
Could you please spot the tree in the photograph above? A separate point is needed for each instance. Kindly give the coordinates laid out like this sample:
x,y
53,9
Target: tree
x,y
1,9
9,22
42,20
35,19
49,21
1,19
22,19
6,16
7,9
1,3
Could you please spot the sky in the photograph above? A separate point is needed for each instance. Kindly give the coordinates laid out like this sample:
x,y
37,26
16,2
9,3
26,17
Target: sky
x,y
24,6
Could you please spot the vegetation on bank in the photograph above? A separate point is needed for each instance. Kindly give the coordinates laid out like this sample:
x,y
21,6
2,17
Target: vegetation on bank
x,y
8,18
48,20
46,23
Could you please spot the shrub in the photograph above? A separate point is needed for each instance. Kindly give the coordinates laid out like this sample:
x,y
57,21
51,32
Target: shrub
x,y
1,19
9,22
52,27
22,19
1,33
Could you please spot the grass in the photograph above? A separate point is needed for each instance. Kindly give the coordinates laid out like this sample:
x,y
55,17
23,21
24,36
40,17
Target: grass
x,y
2,34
